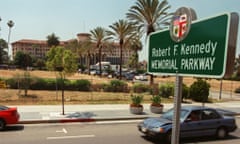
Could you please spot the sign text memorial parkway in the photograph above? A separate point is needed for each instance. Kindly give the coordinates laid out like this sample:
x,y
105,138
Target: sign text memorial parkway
x,y
203,53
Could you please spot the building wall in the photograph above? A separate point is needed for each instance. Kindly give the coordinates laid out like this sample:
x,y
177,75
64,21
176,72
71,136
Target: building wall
x,y
39,48
36,48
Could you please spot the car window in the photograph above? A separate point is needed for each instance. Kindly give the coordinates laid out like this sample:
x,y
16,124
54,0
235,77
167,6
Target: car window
x,y
194,115
210,114
169,114
3,108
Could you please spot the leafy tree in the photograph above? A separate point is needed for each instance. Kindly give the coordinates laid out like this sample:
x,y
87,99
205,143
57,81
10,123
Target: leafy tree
x,y
149,15
23,60
52,40
100,37
134,44
64,61
123,32
199,90
3,53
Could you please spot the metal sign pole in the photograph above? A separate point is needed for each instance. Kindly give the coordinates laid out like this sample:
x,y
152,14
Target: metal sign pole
x,y
177,108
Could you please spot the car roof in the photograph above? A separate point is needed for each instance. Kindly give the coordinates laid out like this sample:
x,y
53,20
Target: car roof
x,y
191,108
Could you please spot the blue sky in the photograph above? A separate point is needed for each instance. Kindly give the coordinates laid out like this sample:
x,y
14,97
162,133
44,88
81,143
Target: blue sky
x,y
35,19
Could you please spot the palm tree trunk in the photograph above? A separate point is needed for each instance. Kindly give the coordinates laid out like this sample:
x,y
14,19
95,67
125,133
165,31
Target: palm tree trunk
x,y
100,60
120,68
9,33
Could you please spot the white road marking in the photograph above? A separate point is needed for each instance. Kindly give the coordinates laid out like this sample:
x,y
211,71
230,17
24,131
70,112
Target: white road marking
x,y
70,137
63,130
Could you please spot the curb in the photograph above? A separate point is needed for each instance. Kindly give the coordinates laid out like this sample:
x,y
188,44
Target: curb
x,y
78,120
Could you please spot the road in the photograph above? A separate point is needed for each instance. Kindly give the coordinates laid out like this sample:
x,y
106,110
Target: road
x,y
91,133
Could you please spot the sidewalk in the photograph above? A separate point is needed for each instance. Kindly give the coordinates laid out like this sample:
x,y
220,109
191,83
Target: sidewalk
x,y
103,112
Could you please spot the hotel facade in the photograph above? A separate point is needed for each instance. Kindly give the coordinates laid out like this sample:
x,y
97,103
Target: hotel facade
x,y
39,49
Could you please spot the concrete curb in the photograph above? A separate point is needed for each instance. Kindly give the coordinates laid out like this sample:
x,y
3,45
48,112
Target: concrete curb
x,y
79,120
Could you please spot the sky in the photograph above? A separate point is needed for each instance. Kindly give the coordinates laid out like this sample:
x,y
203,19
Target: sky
x,y
36,19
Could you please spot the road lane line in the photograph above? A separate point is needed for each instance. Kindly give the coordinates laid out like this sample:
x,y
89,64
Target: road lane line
x,y
63,130
70,137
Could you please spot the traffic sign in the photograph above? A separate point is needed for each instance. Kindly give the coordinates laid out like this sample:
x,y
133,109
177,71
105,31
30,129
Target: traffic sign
x,y
203,53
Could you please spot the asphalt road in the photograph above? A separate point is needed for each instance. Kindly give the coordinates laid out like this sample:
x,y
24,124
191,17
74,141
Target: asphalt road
x,y
91,133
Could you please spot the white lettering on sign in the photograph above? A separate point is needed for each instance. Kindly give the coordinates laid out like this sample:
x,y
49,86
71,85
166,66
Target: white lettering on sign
x,y
209,47
199,56
164,64
197,63
158,52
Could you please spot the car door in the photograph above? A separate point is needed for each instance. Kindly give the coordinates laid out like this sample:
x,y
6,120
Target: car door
x,y
191,127
210,121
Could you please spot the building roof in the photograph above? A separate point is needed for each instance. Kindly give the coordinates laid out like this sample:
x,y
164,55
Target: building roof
x,y
31,41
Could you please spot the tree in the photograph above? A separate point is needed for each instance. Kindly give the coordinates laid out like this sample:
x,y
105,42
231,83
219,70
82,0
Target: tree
x,y
199,90
64,61
3,52
99,36
10,25
135,44
52,40
123,32
23,60
149,15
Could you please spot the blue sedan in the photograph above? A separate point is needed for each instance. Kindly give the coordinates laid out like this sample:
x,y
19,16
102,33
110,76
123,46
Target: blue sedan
x,y
195,121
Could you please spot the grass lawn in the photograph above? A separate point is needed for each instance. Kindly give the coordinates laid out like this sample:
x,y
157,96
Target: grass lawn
x,y
15,97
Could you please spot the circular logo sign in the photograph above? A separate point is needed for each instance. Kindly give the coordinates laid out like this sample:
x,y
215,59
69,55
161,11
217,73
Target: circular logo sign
x,y
180,24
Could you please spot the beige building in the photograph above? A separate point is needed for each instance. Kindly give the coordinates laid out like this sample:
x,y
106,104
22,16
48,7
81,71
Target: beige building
x,y
39,48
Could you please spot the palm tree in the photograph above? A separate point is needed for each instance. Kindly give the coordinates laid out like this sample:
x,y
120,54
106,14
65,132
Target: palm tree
x,y
10,25
135,44
100,37
123,32
149,15
52,40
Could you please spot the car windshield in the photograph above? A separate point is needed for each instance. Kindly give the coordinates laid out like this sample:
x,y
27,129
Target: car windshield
x,y
169,114
3,108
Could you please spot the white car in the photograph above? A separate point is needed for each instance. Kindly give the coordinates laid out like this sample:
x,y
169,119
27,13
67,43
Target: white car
x,y
142,77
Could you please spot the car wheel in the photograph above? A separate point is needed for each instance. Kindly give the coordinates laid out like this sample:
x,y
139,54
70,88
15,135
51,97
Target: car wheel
x,y
2,124
221,133
168,137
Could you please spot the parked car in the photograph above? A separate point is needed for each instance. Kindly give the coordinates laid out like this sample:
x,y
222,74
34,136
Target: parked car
x,y
8,116
195,121
141,77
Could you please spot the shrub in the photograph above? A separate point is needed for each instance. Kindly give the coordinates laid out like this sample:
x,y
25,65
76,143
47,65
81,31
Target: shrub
x,y
156,100
166,90
199,90
136,100
116,86
140,88
82,85
237,90
185,91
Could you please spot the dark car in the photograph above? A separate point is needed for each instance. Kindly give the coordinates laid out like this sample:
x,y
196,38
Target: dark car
x,y
8,116
195,121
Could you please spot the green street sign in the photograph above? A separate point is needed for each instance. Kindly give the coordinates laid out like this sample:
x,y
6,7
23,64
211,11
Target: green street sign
x,y
206,51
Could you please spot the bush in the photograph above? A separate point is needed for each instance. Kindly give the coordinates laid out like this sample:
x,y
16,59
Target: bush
x,y
136,100
82,85
116,86
185,91
166,90
140,88
199,90
237,90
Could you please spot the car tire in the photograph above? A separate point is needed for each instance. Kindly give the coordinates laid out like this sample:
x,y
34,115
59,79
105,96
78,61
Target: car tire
x,y
2,124
221,133
168,137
